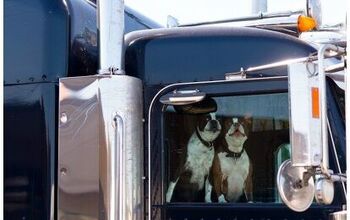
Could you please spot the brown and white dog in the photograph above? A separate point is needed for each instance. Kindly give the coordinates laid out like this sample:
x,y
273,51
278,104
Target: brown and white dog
x,y
231,172
187,184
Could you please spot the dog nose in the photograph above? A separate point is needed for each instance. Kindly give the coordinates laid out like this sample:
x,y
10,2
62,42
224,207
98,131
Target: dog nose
x,y
214,125
236,125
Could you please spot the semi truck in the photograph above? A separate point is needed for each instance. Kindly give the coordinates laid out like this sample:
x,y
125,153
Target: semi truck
x,y
99,116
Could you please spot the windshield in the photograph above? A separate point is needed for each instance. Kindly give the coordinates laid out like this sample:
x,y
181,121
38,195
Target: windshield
x,y
334,11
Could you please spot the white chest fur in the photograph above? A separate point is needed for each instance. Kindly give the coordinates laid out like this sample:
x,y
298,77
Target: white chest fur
x,y
236,171
199,160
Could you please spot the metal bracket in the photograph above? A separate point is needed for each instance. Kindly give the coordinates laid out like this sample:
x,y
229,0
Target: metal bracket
x,y
329,52
111,71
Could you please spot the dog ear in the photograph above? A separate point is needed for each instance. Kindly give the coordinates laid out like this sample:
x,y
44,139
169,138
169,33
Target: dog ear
x,y
226,123
247,122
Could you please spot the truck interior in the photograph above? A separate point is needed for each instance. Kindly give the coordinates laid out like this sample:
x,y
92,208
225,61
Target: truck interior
x,y
269,130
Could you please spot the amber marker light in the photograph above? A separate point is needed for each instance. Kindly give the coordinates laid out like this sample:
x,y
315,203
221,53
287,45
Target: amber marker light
x,y
306,23
315,97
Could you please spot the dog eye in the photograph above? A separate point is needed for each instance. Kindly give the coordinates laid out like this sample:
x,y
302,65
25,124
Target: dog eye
x,y
208,118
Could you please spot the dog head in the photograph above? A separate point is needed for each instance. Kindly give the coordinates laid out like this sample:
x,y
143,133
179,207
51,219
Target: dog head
x,y
237,133
208,127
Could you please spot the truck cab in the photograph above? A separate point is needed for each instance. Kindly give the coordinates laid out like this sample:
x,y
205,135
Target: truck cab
x,y
117,145
262,96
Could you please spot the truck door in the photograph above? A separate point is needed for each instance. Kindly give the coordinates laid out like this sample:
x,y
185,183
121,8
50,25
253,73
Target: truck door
x,y
186,181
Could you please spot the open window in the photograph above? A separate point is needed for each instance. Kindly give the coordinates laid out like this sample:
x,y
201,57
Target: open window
x,y
266,128
181,169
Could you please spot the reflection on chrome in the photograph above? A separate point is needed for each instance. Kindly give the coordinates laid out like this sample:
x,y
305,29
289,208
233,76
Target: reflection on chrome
x,y
100,148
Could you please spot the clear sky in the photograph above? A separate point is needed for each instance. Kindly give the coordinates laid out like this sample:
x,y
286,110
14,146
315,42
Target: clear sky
x,y
188,11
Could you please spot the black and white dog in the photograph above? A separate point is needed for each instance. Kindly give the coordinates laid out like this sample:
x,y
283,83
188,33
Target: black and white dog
x,y
231,172
187,183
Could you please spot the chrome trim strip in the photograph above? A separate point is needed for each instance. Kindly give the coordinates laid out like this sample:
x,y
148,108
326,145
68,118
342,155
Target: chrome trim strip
x,y
312,57
120,146
270,66
248,18
323,102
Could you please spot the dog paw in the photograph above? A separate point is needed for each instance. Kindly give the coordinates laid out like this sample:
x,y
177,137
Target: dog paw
x,y
207,199
168,197
222,199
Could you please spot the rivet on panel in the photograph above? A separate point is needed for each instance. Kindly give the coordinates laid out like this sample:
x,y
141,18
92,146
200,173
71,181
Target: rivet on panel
x,y
63,171
63,118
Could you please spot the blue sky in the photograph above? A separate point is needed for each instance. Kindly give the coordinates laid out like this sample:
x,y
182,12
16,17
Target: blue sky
x,y
187,11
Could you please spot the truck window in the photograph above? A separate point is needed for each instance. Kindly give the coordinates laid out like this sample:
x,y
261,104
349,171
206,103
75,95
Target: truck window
x,y
339,95
228,156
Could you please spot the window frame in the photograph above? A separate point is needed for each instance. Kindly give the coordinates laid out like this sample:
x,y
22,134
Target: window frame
x,y
254,86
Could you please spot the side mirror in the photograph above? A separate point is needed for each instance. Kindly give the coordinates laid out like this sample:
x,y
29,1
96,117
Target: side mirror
x,y
307,176
294,178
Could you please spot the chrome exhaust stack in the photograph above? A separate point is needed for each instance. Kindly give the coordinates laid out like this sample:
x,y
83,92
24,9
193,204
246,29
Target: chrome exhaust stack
x,y
110,27
259,6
